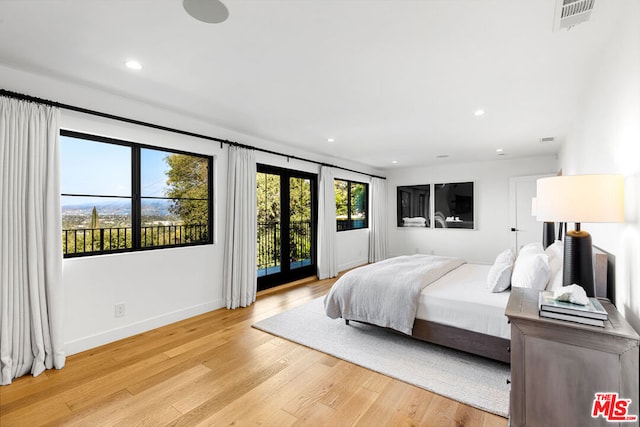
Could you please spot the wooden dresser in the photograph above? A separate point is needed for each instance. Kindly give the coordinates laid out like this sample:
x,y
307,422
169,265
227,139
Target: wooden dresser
x,y
557,367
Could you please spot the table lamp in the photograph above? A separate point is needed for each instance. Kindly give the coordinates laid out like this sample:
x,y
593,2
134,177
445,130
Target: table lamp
x,y
578,199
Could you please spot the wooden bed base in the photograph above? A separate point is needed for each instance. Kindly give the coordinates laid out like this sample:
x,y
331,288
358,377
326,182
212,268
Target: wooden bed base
x,y
494,347
461,339
497,348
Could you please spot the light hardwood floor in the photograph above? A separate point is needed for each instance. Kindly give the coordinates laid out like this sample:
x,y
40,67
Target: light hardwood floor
x,y
215,369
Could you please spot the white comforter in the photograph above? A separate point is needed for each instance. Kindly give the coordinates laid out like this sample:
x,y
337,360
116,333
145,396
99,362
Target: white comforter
x,y
386,293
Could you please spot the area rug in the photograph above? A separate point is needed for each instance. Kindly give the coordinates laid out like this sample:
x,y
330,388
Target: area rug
x,y
473,380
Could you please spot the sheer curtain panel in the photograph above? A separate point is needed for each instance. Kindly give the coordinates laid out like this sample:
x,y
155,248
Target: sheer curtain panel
x,y
240,274
31,336
327,257
378,221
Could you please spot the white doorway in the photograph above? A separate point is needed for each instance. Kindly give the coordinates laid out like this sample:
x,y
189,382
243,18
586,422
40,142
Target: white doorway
x,y
523,225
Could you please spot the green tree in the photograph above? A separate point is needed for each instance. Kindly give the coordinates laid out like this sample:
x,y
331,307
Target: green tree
x,y
342,205
187,179
299,199
95,221
358,198
268,195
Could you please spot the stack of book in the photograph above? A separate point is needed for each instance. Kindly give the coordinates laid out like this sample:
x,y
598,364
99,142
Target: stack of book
x,y
592,314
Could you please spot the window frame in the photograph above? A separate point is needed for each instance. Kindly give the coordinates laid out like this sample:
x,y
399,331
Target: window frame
x,y
349,206
136,194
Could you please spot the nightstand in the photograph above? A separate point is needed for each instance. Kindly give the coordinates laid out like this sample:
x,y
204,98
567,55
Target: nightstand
x,y
557,367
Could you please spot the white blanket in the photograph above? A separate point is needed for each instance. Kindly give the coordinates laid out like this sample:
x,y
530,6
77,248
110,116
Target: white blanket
x,y
386,293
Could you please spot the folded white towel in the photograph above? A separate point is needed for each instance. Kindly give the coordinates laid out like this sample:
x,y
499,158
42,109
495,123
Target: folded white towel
x,y
414,220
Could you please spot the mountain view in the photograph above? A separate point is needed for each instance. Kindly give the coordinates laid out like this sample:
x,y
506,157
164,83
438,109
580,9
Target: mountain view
x,y
113,214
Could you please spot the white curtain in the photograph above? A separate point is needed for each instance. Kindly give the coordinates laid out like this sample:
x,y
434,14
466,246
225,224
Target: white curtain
x,y
327,257
31,336
240,274
378,221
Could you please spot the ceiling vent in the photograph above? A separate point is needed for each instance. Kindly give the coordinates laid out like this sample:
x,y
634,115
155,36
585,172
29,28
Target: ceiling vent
x,y
571,12
547,139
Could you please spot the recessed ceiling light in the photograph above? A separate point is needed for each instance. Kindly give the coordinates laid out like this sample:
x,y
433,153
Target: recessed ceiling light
x,y
133,64
499,150
479,112
330,140
395,162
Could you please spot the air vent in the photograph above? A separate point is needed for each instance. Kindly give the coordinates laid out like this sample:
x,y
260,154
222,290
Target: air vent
x,y
546,139
572,12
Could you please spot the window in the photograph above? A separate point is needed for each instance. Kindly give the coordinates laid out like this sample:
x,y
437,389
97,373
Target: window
x,y
351,205
121,196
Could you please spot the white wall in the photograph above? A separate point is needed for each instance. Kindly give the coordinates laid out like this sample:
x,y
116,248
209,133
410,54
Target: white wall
x,y
606,139
353,248
491,187
157,287
160,286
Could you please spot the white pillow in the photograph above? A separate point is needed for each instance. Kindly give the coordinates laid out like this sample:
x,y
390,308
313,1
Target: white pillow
x,y
555,249
499,277
531,248
531,270
556,259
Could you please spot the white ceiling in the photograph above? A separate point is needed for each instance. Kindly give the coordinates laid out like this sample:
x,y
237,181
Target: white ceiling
x,y
388,79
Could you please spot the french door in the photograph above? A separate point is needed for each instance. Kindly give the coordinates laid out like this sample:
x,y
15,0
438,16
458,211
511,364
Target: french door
x,y
286,215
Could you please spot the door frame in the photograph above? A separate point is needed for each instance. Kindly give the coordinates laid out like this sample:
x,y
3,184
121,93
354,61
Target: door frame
x,y
286,274
513,181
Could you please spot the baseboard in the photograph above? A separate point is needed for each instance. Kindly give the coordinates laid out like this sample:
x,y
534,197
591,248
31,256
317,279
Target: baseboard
x,y
92,341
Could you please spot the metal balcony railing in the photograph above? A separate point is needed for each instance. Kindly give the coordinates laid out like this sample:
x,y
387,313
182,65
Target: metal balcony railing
x,y
299,240
344,224
269,246
103,240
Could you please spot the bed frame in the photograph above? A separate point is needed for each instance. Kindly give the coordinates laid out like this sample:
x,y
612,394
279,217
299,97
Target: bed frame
x,y
494,347
461,339
490,346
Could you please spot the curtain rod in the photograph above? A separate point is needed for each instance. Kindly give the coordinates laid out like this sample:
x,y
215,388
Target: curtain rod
x,y
23,97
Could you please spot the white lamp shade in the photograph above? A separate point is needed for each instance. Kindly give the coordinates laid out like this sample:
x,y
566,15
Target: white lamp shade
x,y
580,198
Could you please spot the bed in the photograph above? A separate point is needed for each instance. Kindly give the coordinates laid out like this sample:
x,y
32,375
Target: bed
x,y
452,307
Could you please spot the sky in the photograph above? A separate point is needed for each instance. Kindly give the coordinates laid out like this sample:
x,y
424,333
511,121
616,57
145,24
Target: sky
x,y
89,167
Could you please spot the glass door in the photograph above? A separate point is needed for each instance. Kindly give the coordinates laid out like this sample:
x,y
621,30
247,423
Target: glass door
x,y
300,223
269,222
286,220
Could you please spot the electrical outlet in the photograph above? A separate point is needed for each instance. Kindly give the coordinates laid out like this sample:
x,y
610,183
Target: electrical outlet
x,y
119,310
